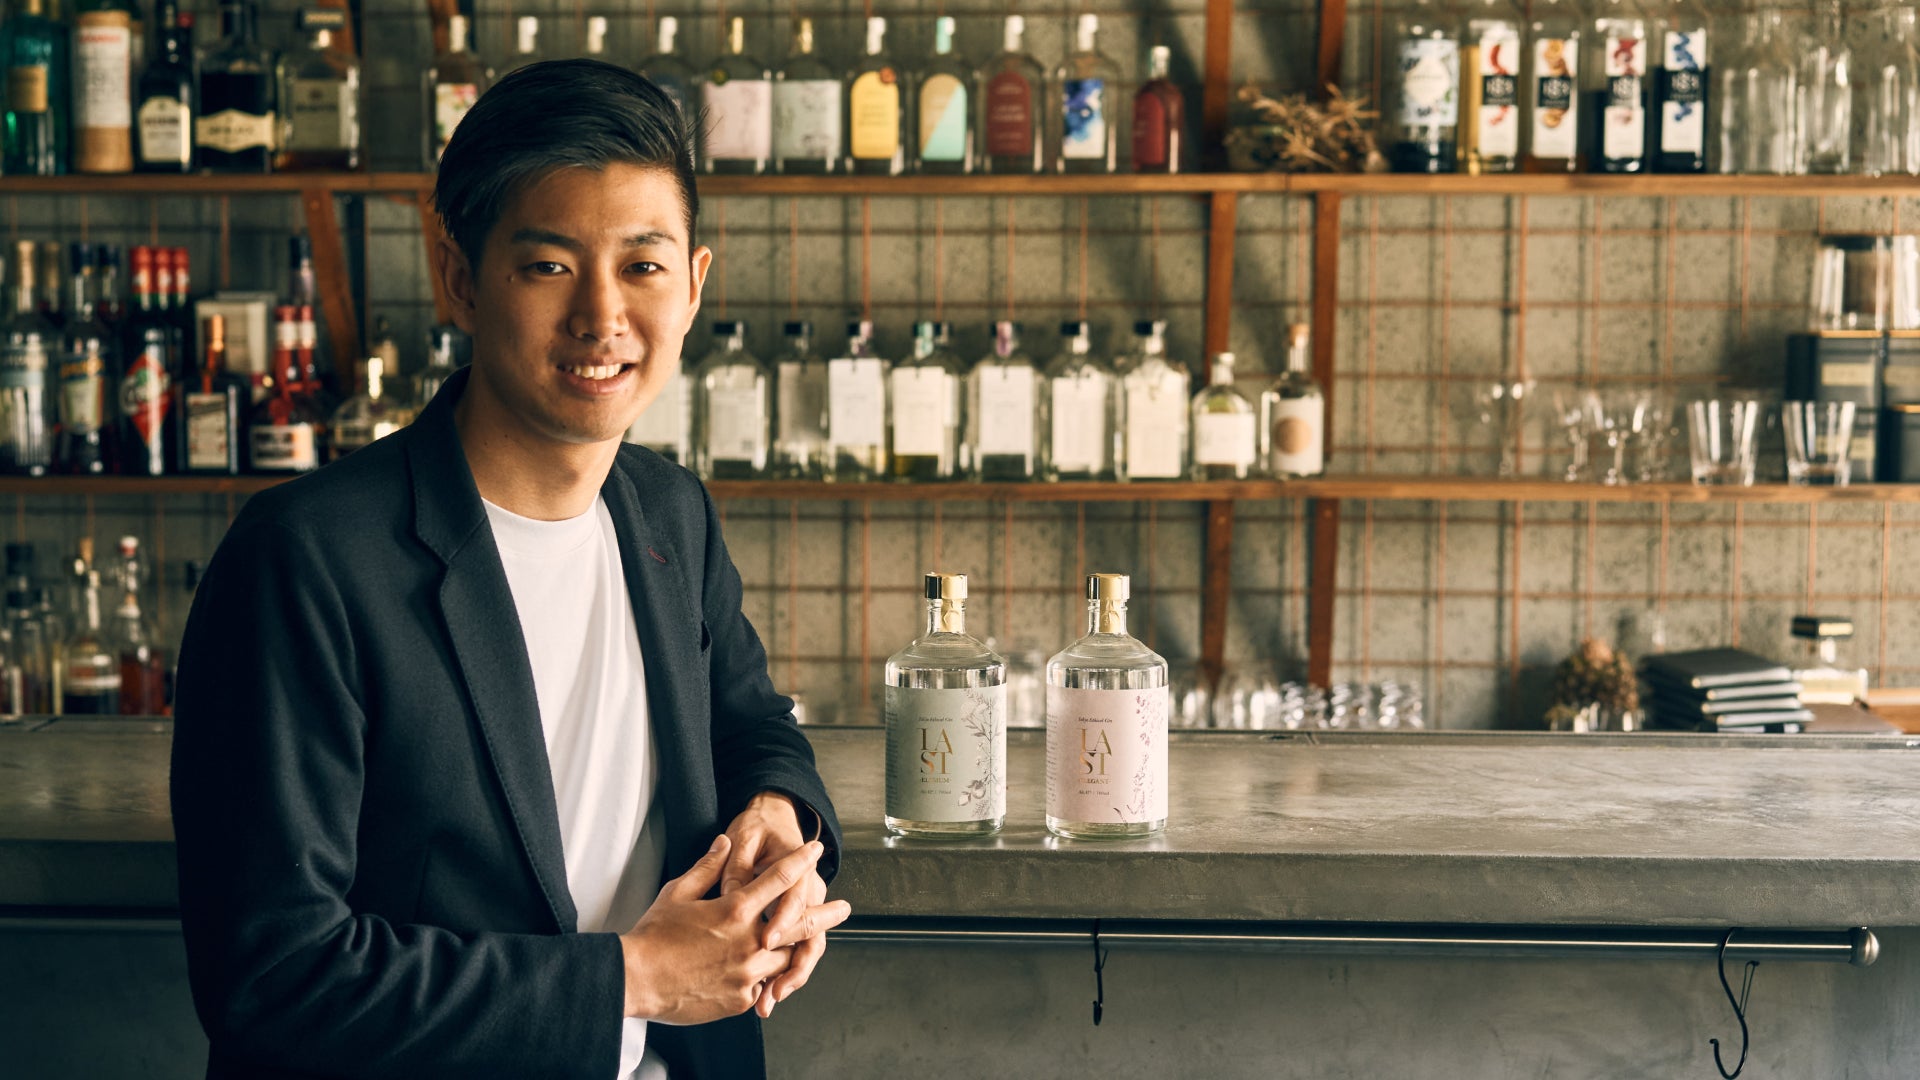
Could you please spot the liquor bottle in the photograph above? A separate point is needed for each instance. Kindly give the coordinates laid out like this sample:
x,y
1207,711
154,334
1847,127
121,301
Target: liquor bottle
x,y
876,114
91,681
1680,90
737,96
1150,409
944,106
800,408
163,119
89,380
178,303
1003,411
1086,110
1225,429
1825,108
1490,80
1076,411
1293,415
806,110
142,663
367,416
1159,118
284,433
1106,726
103,86
730,408
35,49
1427,91
52,293
56,624
109,306
32,648
454,82
236,128
443,360
385,346
319,99
1616,74
1013,84
1759,131
146,399
671,72
1553,87
526,44
666,425
924,399
857,408
210,401
1886,110
597,38
946,716
26,375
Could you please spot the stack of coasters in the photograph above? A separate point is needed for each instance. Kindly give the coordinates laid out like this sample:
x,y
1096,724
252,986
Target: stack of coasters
x,y
1728,690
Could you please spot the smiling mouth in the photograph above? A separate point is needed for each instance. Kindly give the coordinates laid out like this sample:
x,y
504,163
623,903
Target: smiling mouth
x,y
595,371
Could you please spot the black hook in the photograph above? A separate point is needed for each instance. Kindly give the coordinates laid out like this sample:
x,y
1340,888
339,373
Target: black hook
x,y
1099,982
1739,1008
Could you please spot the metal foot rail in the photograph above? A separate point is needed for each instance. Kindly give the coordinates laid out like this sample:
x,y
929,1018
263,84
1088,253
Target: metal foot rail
x,y
1857,946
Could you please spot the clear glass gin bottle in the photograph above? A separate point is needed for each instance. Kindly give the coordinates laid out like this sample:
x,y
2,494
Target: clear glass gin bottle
x,y
730,408
1826,94
857,408
1076,411
1225,428
1087,104
667,68
1002,415
923,430
454,82
737,95
800,408
1150,409
1293,414
806,110
1886,108
946,709
319,100
1106,726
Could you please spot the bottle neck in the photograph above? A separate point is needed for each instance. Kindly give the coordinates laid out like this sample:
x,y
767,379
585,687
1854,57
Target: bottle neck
x,y
1153,345
529,35
799,344
1005,342
239,23
666,40
737,37
79,294
946,616
803,38
1831,21
457,34
923,346
1106,616
1222,374
1299,362
1158,64
1013,37
943,37
90,602
1084,34
876,36
735,343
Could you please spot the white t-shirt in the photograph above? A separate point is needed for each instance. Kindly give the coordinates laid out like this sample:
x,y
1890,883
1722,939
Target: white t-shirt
x,y
585,652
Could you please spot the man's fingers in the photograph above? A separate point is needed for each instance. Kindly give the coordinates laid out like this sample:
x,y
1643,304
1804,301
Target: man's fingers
x,y
805,956
814,922
759,894
739,868
786,911
700,877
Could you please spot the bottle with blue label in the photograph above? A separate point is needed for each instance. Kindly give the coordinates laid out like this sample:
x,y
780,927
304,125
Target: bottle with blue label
x,y
1617,75
1681,89
1086,104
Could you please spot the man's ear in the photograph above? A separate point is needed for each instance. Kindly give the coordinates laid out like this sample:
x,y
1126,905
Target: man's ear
x,y
451,270
700,262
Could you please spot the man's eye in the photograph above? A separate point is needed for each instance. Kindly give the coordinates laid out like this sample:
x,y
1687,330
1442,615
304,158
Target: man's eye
x,y
648,267
545,269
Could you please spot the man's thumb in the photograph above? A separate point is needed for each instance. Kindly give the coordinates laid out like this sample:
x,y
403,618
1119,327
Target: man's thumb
x,y
701,877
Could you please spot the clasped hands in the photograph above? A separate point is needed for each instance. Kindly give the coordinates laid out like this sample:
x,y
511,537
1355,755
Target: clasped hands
x,y
690,960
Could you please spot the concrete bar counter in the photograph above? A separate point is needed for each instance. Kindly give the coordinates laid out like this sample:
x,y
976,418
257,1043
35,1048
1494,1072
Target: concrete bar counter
x,y
1470,829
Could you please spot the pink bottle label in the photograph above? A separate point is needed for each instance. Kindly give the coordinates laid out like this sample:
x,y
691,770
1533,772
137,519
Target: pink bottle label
x,y
1107,755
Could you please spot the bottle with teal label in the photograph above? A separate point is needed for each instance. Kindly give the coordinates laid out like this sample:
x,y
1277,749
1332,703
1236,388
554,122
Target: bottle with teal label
x,y
943,142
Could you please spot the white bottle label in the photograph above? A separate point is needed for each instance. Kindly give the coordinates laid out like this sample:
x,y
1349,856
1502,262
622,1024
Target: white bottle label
x,y
1429,83
856,402
736,423
1155,409
1683,120
208,431
803,405
1299,436
232,131
739,119
1079,433
1224,439
285,447
922,411
1107,755
319,114
664,423
1006,410
1499,119
1625,117
103,71
1556,104
947,753
806,119
163,131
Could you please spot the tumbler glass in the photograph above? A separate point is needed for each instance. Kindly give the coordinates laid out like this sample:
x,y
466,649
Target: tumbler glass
x,y
1720,434
1819,442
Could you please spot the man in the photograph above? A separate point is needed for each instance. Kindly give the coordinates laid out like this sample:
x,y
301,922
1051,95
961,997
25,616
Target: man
x,y
450,710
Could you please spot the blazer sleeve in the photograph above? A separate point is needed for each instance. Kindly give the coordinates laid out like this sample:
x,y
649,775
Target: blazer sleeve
x,y
756,744
269,734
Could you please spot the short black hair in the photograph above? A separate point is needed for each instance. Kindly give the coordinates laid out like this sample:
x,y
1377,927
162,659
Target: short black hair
x,y
554,115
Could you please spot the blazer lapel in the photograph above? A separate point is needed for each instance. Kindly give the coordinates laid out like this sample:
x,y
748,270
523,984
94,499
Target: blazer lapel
x,y
484,627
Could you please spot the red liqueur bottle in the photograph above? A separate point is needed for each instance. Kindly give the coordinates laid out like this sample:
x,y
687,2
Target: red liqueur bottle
x,y
1159,118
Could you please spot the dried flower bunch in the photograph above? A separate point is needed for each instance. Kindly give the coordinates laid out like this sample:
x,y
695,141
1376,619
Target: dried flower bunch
x,y
1298,135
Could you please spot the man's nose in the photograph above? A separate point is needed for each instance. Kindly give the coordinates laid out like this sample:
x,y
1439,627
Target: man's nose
x,y
599,308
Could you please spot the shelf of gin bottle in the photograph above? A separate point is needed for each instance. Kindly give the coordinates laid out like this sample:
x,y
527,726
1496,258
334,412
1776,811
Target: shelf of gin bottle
x,y
153,184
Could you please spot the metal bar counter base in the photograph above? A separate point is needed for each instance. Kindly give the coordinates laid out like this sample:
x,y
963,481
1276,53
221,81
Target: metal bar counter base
x,y
1469,829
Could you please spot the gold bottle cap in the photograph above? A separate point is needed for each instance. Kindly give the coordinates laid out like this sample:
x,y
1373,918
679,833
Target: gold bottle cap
x,y
946,587
1297,333
1108,586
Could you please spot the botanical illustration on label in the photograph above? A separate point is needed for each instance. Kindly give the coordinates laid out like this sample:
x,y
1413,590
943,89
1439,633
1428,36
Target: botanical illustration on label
x,y
284,446
1556,127
1499,119
1149,132
943,119
83,393
1683,93
1429,83
1006,410
739,119
209,438
1107,755
451,102
1624,119
1009,115
1079,433
664,423
736,418
806,119
27,88
1154,409
856,401
874,104
1224,439
320,114
946,753
145,395
921,411
1298,440
103,70
1083,104
231,131
163,131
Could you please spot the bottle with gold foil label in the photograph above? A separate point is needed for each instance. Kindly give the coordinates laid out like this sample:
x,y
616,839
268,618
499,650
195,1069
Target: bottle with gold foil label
x,y
1106,726
873,109
946,716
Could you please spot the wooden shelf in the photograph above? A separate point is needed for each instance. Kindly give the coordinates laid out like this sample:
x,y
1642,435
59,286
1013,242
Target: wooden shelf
x,y
1385,488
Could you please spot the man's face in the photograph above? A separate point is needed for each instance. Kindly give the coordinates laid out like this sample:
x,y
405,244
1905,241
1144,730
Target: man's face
x,y
581,300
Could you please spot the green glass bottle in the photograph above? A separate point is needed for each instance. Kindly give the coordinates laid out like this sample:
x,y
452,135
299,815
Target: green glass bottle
x,y
35,48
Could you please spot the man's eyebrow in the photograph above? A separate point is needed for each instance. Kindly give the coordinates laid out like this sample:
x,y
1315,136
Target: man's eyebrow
x,y
649,238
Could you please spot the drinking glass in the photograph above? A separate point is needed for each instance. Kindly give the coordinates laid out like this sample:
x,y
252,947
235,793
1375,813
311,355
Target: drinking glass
x,y
1573,415
1491,413
1819,442
1192,701
1720,437
1249,699
1618,419
1653,453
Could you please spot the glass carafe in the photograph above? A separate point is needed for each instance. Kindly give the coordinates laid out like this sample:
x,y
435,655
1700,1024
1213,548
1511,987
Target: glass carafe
x,y
1825,111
